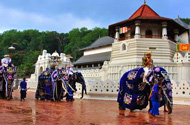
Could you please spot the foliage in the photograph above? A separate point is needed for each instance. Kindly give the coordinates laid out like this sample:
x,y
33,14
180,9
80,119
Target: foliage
x,y
186,20
30,43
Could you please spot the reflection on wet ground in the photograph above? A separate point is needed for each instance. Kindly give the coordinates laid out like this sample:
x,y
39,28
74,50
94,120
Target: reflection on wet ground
x,y
79,112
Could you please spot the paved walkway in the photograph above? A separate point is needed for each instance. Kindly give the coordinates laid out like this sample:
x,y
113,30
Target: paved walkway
x,y
81,112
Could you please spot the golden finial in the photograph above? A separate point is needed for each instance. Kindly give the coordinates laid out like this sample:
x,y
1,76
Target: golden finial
x,y
144,1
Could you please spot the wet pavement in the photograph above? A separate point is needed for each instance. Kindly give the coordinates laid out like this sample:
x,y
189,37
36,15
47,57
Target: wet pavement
x,y
81,111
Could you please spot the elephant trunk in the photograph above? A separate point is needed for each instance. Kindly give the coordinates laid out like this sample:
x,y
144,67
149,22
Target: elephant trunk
x,y
83,89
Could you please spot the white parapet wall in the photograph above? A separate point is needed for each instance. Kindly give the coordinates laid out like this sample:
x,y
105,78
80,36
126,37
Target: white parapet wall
x,y
104,83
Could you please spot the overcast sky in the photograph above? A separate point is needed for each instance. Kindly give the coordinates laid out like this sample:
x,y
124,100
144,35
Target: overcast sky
x,y
64,15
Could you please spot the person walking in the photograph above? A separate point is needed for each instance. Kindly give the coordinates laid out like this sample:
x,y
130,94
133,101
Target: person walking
x,y
23,89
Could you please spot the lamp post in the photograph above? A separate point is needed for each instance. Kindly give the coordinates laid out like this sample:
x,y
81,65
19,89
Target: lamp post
x,y
11,48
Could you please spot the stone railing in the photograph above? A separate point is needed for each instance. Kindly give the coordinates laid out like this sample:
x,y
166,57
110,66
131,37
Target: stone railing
x,y
104,83
97,84
108,89
181,89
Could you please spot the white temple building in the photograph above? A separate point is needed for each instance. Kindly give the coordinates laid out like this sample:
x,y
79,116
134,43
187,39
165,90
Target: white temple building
x,y
148,32
107,59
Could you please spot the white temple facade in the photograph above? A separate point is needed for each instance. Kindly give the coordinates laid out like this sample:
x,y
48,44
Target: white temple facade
x,y
108,58
148,32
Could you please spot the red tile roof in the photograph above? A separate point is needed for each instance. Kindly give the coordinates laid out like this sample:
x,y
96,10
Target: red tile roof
x,y
145,11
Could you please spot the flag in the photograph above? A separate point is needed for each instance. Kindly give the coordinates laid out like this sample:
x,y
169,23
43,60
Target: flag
x,y
177,47
182,47
123,30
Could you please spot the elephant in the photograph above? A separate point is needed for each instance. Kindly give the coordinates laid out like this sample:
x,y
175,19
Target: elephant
x,y
2,83
51,85
134,93
55,85
6,81
44,87
73,79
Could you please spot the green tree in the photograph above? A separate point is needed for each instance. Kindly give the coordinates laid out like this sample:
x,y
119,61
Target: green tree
x,y
186,20
30,43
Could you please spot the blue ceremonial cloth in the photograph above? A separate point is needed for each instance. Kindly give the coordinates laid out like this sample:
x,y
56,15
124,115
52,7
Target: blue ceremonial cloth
x,y
23,85
48,92
155,108
155,93
155,100
133,92
70,96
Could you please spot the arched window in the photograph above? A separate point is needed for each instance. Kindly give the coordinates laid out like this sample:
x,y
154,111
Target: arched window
x,y
41,70
148,34
123,47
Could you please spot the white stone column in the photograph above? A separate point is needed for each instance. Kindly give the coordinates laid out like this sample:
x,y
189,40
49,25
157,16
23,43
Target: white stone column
x,y
137,29
164,30
117,34
176,31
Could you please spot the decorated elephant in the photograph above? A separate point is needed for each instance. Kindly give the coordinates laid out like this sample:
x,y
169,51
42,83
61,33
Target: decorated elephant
x,y
6,81
77,77
2,83
51,85
44,86
134,93
60,84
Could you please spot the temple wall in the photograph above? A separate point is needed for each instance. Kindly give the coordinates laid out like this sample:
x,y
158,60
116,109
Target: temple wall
x,y
104,83
184,38
162,50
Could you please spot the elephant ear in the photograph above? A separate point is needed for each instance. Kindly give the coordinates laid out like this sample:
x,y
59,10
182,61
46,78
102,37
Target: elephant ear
x,y
167,88
54,75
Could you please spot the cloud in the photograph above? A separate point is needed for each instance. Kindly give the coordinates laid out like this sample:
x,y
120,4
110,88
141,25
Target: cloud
x,y
16,19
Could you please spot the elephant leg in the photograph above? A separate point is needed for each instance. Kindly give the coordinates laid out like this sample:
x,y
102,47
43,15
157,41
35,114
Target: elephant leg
x,y
53,96
169,108
120,103
59,91
165,110
4,90
121,107
83,90
82,94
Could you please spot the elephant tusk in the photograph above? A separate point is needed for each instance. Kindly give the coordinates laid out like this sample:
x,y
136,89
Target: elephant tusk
x,y
64,88
71,87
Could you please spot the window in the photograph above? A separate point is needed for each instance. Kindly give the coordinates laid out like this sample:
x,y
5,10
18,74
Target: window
x,y
123,47
41,70
148,34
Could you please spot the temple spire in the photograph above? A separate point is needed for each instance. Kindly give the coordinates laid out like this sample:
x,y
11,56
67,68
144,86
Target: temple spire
x,y
144,1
